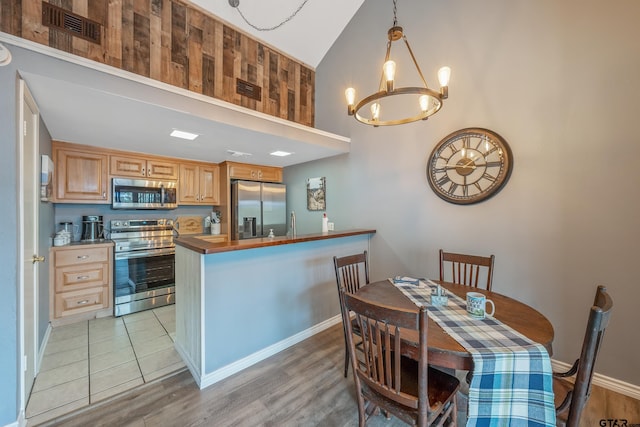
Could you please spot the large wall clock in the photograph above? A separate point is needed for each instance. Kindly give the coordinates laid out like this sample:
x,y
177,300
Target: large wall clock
x,y
469,166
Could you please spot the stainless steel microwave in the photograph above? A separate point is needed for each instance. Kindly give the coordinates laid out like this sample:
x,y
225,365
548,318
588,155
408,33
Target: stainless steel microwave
x,y
143,194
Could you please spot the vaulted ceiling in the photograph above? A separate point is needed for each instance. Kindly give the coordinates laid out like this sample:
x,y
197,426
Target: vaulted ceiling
x,y
307,36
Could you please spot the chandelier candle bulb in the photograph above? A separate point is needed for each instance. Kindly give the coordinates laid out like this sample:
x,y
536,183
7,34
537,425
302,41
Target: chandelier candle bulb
x,y
375,111
424,102
350,94
444,75
389,74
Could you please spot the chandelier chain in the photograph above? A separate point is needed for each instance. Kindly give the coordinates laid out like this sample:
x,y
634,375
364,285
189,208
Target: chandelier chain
x,y
395,12
235,4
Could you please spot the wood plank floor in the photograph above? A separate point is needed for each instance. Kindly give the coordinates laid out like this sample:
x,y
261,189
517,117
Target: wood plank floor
x,y
301,386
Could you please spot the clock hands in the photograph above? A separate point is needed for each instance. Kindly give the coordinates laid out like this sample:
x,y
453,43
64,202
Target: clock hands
x,y
473,166
470,164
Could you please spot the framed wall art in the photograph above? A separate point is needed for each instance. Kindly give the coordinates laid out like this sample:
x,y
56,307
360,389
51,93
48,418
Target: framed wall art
x,y
316,194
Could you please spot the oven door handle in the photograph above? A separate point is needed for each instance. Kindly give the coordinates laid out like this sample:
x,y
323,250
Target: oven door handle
x,y
143,254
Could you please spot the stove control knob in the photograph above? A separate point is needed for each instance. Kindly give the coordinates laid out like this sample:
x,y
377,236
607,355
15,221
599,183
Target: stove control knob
x,y
170,222
116,223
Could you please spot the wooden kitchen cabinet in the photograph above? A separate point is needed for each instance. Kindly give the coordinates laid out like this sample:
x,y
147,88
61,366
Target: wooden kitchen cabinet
x,y
254,172
80,176
81,285
199,184
139,167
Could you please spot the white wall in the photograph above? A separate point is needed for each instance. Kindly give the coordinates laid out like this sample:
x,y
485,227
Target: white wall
x,y
560,82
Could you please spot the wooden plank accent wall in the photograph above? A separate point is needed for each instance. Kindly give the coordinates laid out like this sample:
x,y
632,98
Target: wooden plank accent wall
x,y
177,43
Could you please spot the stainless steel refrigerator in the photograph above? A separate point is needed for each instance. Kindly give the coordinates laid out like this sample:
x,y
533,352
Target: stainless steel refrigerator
x,y
257,208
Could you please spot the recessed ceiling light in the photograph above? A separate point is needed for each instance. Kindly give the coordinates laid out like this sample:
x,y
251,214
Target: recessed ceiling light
x,y
184,135
280,153
235,153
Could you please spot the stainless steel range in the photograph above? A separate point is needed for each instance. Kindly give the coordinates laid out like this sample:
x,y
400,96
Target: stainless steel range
x,y
144,264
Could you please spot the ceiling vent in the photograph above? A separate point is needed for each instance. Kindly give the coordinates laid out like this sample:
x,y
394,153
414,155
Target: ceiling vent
x,y
235,153
76,25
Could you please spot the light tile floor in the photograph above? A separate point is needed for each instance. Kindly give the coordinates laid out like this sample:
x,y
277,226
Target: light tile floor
x,y
90,361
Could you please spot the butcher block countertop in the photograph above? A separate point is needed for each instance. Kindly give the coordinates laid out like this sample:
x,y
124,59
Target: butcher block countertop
x,y
201,244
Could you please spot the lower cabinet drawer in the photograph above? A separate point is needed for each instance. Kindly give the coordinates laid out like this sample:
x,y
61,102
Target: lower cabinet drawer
x,y
82,301
76,277
81,255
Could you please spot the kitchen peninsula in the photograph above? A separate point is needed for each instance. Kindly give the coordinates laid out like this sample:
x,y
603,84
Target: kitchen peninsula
x,y
242,301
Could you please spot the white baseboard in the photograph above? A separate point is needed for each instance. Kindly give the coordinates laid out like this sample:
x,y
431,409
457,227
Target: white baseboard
x,y
609,383
45,340
252,359
20,422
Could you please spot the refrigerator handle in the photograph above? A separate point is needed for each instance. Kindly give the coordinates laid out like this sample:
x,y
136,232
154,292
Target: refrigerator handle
x,y
261,230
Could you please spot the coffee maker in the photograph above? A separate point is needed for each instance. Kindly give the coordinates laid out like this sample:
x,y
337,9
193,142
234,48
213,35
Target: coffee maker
x,y
92,228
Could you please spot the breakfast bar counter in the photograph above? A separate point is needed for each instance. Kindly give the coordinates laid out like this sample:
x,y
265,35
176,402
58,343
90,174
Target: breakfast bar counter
x,y
207,244
240,302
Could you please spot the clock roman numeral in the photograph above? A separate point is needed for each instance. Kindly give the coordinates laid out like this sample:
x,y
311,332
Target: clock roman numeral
x,y
494,164
478,186
442,181
466,142
453,187
489,177
493,149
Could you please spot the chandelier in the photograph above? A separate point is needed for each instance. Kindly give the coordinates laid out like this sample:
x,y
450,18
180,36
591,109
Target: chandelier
x,y
403,104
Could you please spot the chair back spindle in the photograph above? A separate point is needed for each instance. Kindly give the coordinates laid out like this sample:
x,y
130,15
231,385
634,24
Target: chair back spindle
x,y
466,269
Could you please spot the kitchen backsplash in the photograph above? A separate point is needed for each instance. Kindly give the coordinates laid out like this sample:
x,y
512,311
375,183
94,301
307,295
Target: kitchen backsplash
x,y
74,213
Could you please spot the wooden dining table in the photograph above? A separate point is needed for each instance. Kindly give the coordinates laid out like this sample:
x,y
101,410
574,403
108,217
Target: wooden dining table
x,y
444,350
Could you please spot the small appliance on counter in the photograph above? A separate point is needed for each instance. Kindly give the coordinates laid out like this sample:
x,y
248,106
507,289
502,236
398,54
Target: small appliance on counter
x,y
92,228
64,236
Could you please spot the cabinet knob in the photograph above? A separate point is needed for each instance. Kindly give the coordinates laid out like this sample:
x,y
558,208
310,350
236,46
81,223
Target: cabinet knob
x,y
82,277
104,194
82,256
143,172
149,172
84,301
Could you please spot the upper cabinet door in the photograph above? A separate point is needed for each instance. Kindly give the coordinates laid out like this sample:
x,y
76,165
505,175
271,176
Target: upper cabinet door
x,y
254,173
199,184
210,185
138,167
159,169
81,176
128,166
188,185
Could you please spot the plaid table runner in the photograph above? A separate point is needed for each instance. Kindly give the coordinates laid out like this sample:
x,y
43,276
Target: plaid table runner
x,y
512,382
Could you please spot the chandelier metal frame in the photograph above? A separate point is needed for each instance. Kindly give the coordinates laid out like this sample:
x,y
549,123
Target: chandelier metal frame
x,y
428,106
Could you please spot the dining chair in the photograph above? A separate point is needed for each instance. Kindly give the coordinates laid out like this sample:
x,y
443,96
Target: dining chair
x,y
466,269
386,377
569,411
352,272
